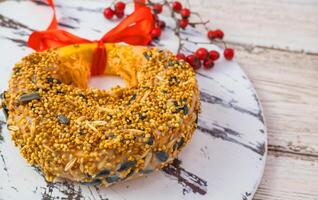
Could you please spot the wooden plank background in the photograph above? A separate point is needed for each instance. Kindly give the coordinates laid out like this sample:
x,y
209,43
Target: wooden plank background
x,y
276,43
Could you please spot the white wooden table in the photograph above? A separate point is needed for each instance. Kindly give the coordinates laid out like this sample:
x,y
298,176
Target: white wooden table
x,y
276,42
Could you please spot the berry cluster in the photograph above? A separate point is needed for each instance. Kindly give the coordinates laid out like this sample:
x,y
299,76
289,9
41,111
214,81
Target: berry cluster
x,y
204,57
119,10
182,15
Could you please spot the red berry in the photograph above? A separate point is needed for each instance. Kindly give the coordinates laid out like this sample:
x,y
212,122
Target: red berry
x,y
183,23
208,63
185,13
219,34
193,61
201,53
228,53
155,33
177,6
161,24
155,17
157,8
108,13
119,13
181,56
214,55
120,6
211,35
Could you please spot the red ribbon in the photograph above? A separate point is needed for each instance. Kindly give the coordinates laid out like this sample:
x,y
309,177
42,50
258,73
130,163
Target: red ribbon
x,y
134,29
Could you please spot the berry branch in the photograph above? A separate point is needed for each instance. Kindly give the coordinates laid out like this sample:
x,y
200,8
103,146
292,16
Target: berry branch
x,y
181,16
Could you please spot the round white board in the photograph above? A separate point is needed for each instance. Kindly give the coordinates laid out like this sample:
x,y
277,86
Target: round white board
x,y
225,159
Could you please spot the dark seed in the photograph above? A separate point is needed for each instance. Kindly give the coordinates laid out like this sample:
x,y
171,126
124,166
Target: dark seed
x,y
150,141
60,92
146,171
112,179
5,111
63,119
132,98
16,70
126,165
170,63
130,173
146,55
111,135
141,117
128,121
3,95
103,173
179,144
29,97
82,95
197,119
185,110
173,80
51,80
92,183
162,156
82,132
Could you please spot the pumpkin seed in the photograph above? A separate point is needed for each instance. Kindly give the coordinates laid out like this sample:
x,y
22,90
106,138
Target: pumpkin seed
x,y
103,173
146,171
150,141
29,97
162,156
112,179
92,183
126,165
63,119
184,108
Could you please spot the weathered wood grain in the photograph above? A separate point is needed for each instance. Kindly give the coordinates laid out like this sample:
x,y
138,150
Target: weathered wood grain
x,y
287,84
288,178
282,24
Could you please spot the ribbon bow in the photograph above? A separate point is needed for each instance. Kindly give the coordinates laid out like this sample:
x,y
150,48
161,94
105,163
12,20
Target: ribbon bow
x,y
134,29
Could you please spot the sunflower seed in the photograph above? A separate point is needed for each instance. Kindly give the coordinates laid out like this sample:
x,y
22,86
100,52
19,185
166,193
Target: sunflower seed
x,y
92,183
63,119
103,173
112,179
150,141
162,156
29,97
126,165
146,171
